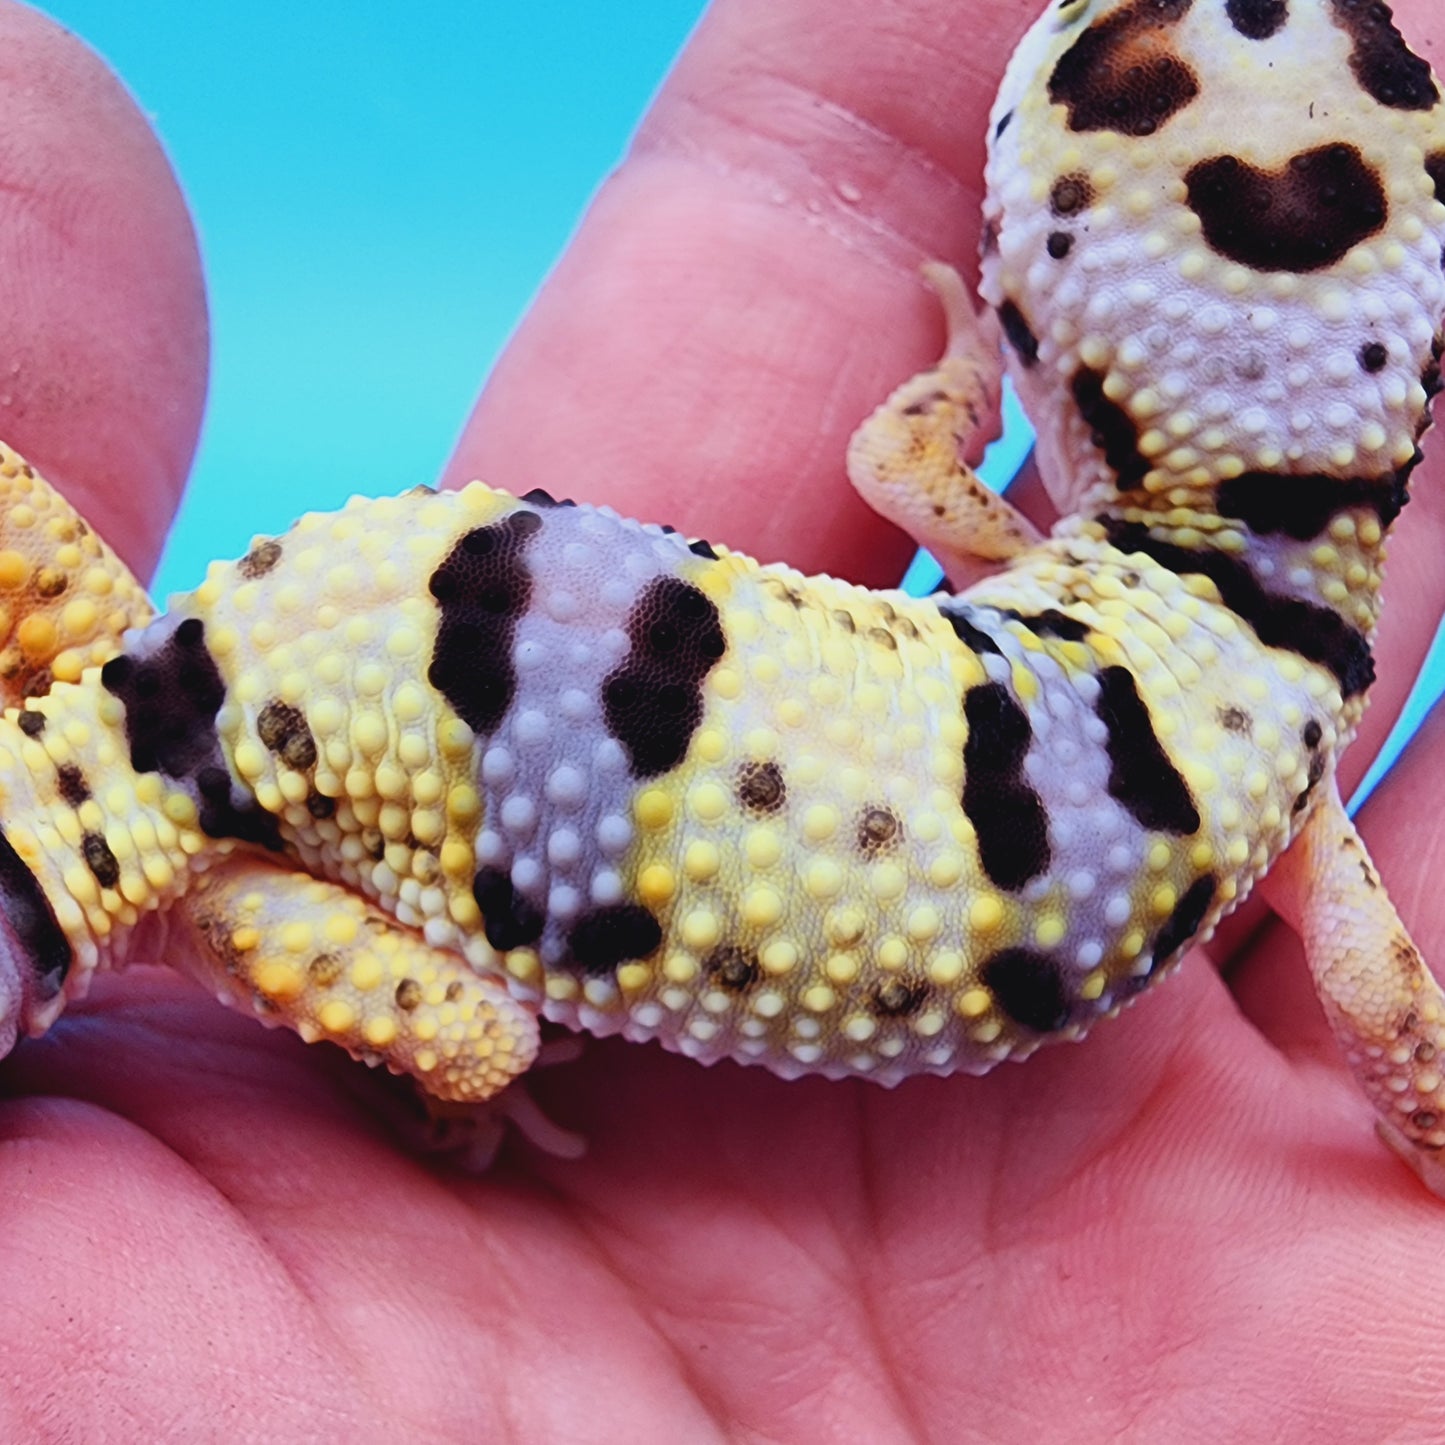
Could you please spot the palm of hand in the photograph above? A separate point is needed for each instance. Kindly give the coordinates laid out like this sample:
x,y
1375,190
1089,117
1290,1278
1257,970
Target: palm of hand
x,y
1180,1229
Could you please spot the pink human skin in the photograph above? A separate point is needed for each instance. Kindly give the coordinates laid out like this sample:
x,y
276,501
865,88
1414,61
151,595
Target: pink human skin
x,y
211,1231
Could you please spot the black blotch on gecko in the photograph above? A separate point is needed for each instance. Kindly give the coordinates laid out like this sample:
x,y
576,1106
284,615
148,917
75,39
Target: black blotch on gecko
x,y
653,701
1008,816
1121,74
483,589
1028,987
1298,218
171,695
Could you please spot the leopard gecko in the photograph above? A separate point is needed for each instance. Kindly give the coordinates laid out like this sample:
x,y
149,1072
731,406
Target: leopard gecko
x,y
416,773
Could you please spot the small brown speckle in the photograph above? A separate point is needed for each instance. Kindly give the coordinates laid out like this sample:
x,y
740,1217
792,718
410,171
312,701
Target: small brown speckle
x,y
761,788
1070,194
1234,720
324,969
100,860
895,997
50,582
71,785
408,994
879,830
731,968
282,728
260,559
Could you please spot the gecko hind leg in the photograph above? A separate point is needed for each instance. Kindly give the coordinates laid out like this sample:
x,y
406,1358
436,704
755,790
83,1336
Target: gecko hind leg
x,y
913,460
310,955
1385,1007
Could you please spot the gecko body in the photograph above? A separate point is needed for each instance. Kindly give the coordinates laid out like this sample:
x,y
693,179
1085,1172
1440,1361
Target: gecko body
x,y
416,772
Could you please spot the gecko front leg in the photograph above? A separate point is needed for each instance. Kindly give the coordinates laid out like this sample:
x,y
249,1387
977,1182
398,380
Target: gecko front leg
x,y
913,460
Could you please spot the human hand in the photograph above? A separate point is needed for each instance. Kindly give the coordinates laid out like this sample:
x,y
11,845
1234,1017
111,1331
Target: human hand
x,y
1181,1229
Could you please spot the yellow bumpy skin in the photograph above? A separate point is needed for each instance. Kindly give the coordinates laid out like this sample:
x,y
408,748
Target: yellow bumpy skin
x,y
415,773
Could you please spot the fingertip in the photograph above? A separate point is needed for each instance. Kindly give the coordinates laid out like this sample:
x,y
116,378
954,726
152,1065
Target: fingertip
x,y
103,330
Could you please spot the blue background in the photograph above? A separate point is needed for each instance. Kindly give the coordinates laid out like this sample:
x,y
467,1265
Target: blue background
x,y
353,169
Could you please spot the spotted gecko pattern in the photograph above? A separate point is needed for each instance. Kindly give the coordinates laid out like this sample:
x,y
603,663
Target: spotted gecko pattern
x,y
417,772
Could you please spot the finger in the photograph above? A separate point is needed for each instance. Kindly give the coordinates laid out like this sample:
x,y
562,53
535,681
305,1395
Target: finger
x,y
103,336
744,289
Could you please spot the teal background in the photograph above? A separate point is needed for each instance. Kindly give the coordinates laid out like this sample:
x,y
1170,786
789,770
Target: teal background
x,y
354,169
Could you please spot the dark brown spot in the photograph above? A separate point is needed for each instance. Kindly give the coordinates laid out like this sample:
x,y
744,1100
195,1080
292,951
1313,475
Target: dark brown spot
x,y
1059,244
319,805
1312,733
1299,218
899,997
1373,356
100,860
30,722
879,830
71,785
761,788
454,988
408,995
262,557
1234,720
1424,1119
1256,19
1425,1052
325,969
282,729
1070,194
732,969
1123,74
1383,64
1019,333
50,582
